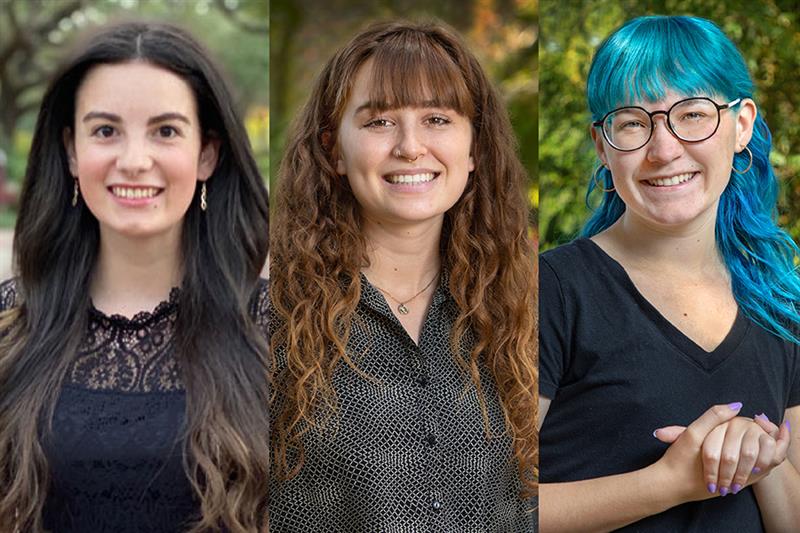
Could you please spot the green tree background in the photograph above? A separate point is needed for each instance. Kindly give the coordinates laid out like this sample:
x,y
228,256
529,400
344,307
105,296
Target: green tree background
x,y
502,33
35,35
768,35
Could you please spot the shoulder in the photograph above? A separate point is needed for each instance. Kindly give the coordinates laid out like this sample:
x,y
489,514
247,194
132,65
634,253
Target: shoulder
x,y
259,303
9,294
570,256
261,292
570,264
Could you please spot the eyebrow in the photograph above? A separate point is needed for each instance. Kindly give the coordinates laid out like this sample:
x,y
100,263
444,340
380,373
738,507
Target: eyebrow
x,y
382,105
111,117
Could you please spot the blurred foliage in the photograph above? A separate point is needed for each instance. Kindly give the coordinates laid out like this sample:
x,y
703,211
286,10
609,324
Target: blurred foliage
x,y
768,35
35,35
502,33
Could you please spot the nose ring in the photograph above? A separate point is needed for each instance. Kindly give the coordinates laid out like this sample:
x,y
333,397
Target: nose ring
x,y
398,154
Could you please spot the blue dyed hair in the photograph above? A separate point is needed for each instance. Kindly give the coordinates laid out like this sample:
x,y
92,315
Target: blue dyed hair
x,y
691,56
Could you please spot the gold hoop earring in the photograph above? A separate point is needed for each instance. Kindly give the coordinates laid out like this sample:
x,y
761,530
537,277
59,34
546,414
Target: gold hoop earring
x,y
748,166
203,197
75,193
597,183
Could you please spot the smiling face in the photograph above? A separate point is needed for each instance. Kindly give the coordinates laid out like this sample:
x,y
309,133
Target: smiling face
x,y
136,148
404,165
670,183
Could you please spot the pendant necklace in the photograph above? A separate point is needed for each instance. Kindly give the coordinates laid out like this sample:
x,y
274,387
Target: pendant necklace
x,y
401,308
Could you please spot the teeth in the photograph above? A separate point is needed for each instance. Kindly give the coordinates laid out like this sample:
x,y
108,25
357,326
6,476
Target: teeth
x,y
674,180
134,192
411,178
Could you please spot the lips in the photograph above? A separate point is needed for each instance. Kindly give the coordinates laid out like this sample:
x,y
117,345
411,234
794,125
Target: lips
x,y
134,193
671,181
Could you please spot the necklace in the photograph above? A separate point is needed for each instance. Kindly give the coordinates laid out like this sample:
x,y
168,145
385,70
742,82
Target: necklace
x,y
401,308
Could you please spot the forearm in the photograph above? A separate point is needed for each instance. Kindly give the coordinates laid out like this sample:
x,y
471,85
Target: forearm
x,y
603,504
778,497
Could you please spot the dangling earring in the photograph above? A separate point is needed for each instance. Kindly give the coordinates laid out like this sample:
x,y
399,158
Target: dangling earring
x,y
748,166
75,193
203,203
597,183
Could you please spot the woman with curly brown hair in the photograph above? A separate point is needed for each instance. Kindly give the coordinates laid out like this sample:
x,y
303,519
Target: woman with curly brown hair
x,y
403,286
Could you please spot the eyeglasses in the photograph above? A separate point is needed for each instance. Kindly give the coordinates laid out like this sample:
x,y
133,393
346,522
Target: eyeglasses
x,y
692,120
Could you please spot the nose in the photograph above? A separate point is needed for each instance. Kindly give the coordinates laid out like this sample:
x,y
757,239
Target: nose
x,y
410,144
663,146
134,157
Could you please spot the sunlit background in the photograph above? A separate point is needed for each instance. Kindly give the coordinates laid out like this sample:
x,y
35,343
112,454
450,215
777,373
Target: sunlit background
x,y
502,33
766,32
36,34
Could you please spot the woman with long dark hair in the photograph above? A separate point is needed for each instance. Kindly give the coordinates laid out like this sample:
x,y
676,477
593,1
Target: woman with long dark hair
x,y
670,331
403,285
133,373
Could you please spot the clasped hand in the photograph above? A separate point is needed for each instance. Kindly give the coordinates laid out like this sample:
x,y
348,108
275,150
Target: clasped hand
x,y
731,451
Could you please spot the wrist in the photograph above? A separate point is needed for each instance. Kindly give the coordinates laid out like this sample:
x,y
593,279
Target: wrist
x,y
663,489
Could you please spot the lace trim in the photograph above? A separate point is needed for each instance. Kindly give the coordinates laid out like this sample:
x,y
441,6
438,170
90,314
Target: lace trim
x,y
142,318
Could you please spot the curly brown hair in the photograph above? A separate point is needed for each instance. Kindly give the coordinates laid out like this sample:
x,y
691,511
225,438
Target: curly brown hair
x,y
318,248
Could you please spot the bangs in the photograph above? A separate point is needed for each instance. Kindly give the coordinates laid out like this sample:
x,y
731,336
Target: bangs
x,y
412,70
651,55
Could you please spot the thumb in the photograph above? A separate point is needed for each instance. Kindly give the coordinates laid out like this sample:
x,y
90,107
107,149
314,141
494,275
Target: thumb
x,y
669,434
698,430
766,425
784,437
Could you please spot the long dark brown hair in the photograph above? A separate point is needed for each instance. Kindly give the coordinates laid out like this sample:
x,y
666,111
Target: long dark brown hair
x,y
222,356
318,248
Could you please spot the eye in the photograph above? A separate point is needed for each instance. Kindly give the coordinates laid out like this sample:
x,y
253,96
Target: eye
x,y
104,132
167,132
693,116
631,125
378,123
438,120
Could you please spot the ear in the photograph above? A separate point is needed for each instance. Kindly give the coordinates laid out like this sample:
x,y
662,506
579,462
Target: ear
x,y
471,165
209,155
340,168
745,120
69,145
599,144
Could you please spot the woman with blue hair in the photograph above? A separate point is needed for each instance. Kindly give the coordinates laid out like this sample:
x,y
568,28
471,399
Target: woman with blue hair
x,y
675,315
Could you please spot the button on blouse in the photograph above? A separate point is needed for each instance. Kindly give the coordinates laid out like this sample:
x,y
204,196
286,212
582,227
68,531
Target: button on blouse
x,y
406,450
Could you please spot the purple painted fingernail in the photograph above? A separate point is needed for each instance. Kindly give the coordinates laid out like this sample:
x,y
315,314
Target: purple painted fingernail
x,y
788,425
723,491
735,488
763,417
712,488
756,470
735,406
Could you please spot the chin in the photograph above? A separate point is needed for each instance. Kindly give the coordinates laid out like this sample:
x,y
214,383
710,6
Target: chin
x,y
137,230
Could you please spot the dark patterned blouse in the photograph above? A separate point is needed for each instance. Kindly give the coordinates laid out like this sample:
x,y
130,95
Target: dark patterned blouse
x,y
407,450
115,453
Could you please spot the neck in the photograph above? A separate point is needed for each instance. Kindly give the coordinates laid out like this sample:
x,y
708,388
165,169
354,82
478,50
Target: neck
x,y
403,259
688,248
133,275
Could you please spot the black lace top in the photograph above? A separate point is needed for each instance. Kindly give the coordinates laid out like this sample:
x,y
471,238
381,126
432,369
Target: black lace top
x,y
115,453
406,451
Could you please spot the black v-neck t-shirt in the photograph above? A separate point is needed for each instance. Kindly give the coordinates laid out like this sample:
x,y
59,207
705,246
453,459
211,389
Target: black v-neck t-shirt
x,y
616,369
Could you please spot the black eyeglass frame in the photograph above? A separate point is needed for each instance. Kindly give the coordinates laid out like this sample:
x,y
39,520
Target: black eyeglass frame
x,y
666,113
